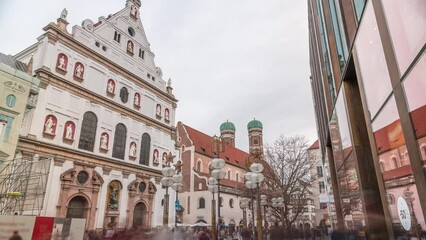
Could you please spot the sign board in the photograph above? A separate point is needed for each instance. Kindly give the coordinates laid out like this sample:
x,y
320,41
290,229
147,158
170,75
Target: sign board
x,y
404,213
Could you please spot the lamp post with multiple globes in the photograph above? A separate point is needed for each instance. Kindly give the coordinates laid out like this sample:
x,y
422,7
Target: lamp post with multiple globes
x,y
213,188
255,177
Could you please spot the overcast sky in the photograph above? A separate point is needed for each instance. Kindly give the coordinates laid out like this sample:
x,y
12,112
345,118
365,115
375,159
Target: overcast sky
x,y
228,59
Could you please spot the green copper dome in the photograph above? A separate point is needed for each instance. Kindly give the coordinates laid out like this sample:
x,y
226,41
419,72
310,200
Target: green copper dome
x,y
254,124
227,126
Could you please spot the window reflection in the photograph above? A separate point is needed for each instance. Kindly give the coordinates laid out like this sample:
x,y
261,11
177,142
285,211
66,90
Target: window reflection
x,y
407,26
373,70
396,171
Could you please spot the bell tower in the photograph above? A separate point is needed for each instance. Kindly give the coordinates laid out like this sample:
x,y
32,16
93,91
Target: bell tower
x,y
255,134
227,132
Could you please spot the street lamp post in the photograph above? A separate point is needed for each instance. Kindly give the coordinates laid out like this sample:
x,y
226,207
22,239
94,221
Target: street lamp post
x,y
264,202
178,187
213,188
244,205
167,181
251,185
257,177
218,173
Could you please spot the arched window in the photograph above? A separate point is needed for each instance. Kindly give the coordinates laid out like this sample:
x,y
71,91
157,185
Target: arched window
x,y
424,152
199,166
88,131
124,94
145,148
229,174
237,177
394,162
201,203
382,166
221,201
119,146
231,203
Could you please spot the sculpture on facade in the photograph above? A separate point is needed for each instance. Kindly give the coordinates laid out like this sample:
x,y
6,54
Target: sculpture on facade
x,y
79,69
69,131
158,110
62,62
49,125
137,100
132,150
130,47
64,14
167,114
113,197
104,141
155,157
110,87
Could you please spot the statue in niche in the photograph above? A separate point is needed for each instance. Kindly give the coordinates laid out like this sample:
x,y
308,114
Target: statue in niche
x,y
113,197
134,11
164,159
69,131
130,47
167,114
132,151
110,86
158,110
104,141
49,125
137,100
79,69
61,62
155,157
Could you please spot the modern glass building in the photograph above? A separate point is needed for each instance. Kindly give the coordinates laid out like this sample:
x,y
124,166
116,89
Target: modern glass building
x,y
368,76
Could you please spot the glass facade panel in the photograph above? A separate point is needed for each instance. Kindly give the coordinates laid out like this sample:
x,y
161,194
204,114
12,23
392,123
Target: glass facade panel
x,y
373,70
339,33
339,130
401,190
325,55
406,20
359,6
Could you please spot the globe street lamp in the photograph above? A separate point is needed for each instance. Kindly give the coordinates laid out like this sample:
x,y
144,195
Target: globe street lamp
x,y
277,202
251,185
213,188
218,173
243,205
255,178
167,181
264,202
178,187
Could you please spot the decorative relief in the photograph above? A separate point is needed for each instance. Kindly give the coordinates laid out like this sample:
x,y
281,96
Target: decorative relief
x,y
79,71
137,100
88,25
132,150
158,111
69,131
69,175
164,159
114,190
130,47
62,63
111,87
134,12
155,158
14,86
104,142
167,115
50,125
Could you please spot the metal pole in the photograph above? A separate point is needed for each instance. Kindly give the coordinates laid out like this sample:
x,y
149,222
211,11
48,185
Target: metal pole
x,y
252,215
176,210
166,208
259,215
213,218
218,206
265,222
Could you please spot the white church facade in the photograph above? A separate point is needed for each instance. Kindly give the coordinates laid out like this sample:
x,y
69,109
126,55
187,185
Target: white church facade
x,y
104,120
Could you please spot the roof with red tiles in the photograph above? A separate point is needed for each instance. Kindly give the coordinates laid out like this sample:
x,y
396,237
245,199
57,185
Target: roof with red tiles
x,y
202,143
315,145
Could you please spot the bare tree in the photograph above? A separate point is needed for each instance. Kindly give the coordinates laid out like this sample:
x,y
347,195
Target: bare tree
x,y
292,178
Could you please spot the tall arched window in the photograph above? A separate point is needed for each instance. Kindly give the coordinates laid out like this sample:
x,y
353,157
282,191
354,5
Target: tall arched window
x,y
237,177
394,162
229,174
199,166
145,148
119,146
201,203
124,94
88,131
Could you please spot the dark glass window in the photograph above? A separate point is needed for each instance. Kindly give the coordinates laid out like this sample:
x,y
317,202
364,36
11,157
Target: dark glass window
x,y
124,94
145,148
201,203
82,177
117,36
141,53
119,147
339,33
142,187
359,7
231,203
88,132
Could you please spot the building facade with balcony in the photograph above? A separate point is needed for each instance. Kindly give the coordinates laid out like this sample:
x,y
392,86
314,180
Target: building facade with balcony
x,y
367,75
104,122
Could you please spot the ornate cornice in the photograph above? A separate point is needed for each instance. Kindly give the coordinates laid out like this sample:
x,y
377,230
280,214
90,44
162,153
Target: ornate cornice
x,y
48,77
35,146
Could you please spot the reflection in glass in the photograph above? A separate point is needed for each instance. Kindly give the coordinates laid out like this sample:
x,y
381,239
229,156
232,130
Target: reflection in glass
x,y
407,26
359,6
397,172
373,70
339,33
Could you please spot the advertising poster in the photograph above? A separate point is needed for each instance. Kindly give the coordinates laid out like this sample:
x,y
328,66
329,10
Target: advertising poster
x,y
16,226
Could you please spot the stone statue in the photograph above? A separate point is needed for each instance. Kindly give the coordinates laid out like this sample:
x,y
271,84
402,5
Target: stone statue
x,y
110,87
178,166
68,132
104,141
79,71
64,14
136,100
132,150
61,64
169,82
113,198
49,125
